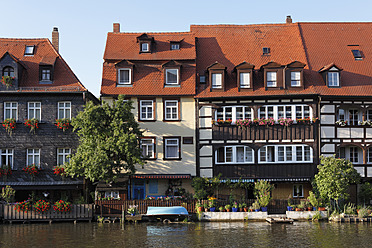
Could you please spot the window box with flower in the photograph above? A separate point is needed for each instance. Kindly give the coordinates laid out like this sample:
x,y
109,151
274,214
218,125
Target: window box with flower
x,y
24,206
41,206
365,123
221,122
63,124
10,125
33,124
62,206
32,170
341,123
307,121
285,122
59,170
7,81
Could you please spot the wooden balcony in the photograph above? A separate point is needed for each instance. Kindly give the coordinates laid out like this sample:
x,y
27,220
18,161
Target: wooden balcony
x,y
277,132
267,171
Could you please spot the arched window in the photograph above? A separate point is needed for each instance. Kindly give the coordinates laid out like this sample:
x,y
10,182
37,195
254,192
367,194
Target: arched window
x,y
234,155
8,71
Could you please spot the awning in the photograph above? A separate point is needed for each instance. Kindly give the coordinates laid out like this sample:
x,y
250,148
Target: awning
x,y
162,176
238,180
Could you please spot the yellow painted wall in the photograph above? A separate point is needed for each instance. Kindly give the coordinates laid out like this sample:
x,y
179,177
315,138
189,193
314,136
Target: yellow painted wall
x,y
283,190
158,129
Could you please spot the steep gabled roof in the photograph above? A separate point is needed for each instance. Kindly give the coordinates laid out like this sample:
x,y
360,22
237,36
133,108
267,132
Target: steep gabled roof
x,y
45,54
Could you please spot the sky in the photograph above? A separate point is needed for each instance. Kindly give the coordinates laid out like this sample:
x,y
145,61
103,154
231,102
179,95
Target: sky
x,y
83,25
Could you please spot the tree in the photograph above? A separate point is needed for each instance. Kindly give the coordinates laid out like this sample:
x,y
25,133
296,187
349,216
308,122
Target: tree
x,y
365,193
109,140
333,179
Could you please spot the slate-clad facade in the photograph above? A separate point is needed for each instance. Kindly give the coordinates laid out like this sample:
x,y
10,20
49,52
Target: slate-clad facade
x,y
44,87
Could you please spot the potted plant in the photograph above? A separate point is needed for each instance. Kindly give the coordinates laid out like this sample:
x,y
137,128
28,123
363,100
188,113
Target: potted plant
x,y
33,124
132,211
7,193
256,206
10,125
313,201
301,206
212,203
220,209
243,207
24,206
205,206
251,209
263,193
199,207
228,208
235,207
290,203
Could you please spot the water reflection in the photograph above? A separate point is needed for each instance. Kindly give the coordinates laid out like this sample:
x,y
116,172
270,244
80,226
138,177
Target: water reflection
x,y
216,234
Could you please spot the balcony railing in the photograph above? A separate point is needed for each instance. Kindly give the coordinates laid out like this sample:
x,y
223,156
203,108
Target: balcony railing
x,y
275,132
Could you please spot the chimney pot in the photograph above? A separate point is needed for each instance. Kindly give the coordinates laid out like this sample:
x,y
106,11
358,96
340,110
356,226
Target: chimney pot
x,y
55,38
116,27
289,19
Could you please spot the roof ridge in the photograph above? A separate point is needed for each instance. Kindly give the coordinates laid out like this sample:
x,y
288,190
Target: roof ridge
x,y
23,39
164,33
241,25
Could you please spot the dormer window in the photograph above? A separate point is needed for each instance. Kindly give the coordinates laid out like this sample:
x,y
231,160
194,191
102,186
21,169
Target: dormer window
x,y
45,73
8,71
29,50
333,79
217,80
331,75
217,76
175,46
244,73
295,79
171,76
145,47
124,76
245,79
271,79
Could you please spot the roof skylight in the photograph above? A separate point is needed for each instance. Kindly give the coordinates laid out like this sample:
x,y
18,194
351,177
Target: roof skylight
x,y
357,54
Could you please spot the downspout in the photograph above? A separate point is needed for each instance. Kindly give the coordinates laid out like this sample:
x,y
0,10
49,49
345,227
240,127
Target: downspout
x,y
197,138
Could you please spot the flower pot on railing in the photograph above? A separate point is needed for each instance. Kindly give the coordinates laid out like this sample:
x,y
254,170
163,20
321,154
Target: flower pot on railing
x,y
289,208
264,209
212,209
235,209
257,210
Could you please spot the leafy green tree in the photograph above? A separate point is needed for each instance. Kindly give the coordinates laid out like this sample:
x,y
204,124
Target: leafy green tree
x,y
334,178
262,191
365,193
201,187
109,142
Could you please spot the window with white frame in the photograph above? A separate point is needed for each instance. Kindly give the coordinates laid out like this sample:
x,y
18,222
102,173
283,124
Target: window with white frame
x,y
295,79
298,190
234,113
112,194
245,79
34,110
124,76
216,80
234,155
172,148
333,79
271,79
64,110
369,114
352,116
171,109
285,111
10,110
146,109
145,47
171,76
352,153
63,155
33,157
175,46
285,154
148,147
7,156
369,155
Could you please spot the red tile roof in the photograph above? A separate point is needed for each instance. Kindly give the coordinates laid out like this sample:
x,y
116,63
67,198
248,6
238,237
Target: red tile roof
x,y
328,43
148,76
45,53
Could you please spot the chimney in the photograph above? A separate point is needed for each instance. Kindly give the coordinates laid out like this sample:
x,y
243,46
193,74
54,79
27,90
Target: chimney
x,y
116,27
55,38
288,20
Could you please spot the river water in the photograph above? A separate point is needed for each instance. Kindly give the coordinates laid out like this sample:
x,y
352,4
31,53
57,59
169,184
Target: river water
x,y
221,234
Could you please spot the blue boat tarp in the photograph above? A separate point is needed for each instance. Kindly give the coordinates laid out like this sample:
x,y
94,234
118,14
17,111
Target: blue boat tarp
x,y
177,210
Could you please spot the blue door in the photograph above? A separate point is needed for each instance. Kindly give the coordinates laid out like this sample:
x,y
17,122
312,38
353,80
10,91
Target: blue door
x,y
138,190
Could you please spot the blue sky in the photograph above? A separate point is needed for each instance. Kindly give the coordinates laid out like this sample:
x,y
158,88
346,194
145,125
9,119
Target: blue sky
x,y
83,25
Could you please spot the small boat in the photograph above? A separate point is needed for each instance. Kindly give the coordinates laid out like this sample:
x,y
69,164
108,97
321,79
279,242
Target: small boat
x,y
176,213
280,220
